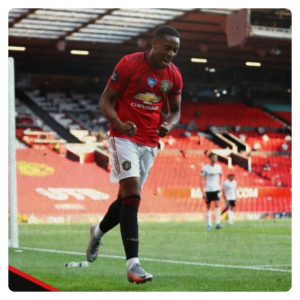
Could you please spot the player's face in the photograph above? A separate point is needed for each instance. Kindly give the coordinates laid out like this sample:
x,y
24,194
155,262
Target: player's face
x,y
214,158
164,50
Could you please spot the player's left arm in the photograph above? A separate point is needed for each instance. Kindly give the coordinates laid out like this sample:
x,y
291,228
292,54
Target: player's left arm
x,y
173,117
221,182
203,182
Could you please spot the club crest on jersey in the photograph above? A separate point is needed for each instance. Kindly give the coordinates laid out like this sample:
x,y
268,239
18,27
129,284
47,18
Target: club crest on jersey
x,y
165,86
151,82
126,165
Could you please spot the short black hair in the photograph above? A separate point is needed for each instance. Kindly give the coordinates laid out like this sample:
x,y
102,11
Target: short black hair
x,y
166,30
211,154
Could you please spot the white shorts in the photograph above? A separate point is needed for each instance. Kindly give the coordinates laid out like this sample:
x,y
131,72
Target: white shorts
x,y
128,159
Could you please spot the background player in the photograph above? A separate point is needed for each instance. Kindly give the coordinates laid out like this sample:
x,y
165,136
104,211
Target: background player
x,y
141,85
210,183
229,191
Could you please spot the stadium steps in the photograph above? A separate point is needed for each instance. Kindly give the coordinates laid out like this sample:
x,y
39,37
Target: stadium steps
x,y
51,122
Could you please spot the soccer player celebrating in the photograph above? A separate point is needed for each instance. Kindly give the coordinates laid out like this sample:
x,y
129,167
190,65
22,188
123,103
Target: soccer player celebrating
x,y
229,190
210,182
141,85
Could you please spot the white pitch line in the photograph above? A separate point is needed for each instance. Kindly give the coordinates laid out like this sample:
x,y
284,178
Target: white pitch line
x,y
274,266
253,268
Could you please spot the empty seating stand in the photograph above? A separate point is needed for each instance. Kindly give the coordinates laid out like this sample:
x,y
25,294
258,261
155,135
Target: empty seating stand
x,y
224,114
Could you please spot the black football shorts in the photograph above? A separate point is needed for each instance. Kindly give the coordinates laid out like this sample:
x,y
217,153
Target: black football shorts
x,y
212,196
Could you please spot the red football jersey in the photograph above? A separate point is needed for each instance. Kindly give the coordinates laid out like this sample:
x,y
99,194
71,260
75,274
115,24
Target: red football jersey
x,y
143,94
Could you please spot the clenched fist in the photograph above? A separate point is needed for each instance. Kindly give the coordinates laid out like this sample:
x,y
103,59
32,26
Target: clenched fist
x,y
163,130
129,128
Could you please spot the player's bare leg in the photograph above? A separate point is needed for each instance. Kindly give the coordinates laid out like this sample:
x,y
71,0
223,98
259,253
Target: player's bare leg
x,y
218,215
230,215
209,217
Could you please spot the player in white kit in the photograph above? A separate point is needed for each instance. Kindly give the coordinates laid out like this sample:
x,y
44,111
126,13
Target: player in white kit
x,y
229,191
211,182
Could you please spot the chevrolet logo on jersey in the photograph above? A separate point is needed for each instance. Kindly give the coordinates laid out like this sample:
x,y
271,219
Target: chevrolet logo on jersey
x,y
147,98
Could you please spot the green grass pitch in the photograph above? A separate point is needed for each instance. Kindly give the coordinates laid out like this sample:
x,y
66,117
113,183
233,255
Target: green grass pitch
x,y
182,256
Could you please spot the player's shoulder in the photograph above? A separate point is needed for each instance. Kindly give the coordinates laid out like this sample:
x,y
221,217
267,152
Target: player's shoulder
x,y
134,57
205,166
174,69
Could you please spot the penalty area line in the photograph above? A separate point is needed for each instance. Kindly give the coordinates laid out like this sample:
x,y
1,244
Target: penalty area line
x,y
167,261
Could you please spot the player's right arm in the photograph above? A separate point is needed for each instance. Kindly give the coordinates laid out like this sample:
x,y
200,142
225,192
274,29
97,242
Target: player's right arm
x,y
107,107
114,89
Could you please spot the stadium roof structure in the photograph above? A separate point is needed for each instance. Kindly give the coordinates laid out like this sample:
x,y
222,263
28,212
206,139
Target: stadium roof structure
x,y
107,34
